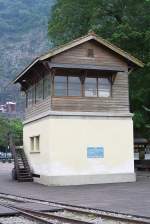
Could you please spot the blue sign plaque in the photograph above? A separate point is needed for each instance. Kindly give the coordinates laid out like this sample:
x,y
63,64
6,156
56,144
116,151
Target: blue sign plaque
x,y
95,152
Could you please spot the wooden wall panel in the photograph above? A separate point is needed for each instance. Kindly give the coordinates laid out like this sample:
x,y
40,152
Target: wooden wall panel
x,y
37,109
78,55
119,102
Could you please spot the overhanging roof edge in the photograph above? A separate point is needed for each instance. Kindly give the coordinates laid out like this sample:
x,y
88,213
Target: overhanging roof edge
x,y
78,41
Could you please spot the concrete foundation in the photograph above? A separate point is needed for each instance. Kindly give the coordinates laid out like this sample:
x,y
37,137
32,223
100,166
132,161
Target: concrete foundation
x,y
85,179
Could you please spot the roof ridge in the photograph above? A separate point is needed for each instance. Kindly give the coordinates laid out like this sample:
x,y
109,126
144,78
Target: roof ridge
x,y
63,45
66,46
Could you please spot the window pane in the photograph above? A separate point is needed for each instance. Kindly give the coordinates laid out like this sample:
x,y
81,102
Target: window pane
x,y
26,98
32,143
91,87
60,86
37,143
33,94
47,86
104,87
29,97
74,86
39,91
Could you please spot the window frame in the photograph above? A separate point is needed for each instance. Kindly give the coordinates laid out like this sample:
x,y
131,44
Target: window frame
x,y
110,93
39,83
67,90
35,144
47,78
82,78
30,96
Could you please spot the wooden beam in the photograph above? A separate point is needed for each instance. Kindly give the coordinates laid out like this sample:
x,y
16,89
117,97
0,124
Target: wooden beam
x,y
86,66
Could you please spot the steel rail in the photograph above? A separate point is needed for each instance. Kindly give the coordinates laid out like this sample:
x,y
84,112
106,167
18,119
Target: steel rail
x,y
84,211
70,206
109,216
59,217
97,215
27,214
41,217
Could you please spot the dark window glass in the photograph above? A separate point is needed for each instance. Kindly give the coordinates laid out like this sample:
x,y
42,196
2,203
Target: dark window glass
x,y
104,87
29,97
74,86
39,91
71,86
26,98
33,94
47,86
90,87
60,85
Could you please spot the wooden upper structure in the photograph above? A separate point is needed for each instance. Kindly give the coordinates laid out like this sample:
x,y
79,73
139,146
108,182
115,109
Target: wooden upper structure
x,y
87,75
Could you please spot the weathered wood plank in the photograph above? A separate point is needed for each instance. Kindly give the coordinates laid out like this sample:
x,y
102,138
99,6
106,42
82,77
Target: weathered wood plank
x,y
118,102
78,55
36,109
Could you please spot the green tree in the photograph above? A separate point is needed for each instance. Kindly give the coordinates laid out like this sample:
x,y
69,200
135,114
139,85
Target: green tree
x,y
4,130
123,22
16,130
10,127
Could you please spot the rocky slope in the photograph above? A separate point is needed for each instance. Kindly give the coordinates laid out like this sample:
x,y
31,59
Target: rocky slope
x,y
23,29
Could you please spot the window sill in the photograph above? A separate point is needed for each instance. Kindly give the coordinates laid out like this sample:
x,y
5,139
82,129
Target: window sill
x,y
83,97
35,152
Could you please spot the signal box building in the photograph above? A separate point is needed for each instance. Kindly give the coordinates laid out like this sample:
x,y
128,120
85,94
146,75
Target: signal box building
x,y
78,128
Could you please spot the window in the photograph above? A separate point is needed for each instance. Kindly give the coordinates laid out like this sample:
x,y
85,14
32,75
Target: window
x,y
31,96
104,87
32,143
90,87
47,86
97,87
35,143
74,86
60,85
90,53
67,86
39,90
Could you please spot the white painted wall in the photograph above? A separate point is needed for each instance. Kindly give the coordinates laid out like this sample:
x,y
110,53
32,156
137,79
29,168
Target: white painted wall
x,y
64,141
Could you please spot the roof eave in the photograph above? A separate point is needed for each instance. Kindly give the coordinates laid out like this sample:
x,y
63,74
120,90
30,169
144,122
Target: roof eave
x,y
98,39
25,70
78,41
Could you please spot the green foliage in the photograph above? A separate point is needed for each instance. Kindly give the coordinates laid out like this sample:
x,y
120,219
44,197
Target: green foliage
x,y
124,23
10,127
16,130
4,130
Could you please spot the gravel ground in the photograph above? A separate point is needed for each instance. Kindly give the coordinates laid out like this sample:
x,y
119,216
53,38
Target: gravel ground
x,y
16,220
90,218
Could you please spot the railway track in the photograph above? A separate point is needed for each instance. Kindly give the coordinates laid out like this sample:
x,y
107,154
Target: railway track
x,y
42,217
69,214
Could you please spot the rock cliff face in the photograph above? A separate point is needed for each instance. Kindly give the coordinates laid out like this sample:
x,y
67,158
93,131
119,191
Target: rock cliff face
x,y
23,29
